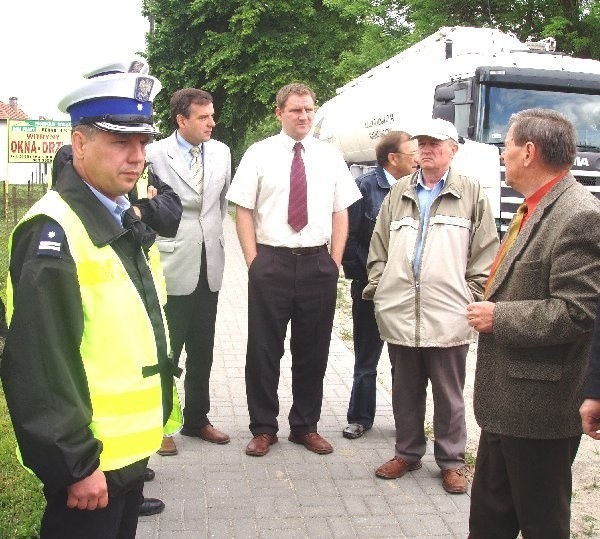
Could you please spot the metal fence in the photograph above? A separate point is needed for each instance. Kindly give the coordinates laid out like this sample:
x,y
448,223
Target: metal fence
x,y
16,200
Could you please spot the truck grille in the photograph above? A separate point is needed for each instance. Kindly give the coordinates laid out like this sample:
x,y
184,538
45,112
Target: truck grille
x,y
510,199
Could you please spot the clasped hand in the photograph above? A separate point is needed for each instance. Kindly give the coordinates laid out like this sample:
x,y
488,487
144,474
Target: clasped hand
x,y
480,316
89,493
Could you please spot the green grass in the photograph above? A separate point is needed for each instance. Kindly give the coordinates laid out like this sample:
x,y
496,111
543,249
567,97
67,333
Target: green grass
x,y
21,499
231,210
346,334
590,528
343,300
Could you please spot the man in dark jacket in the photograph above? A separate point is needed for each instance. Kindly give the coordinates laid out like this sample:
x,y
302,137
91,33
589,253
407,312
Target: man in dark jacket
x,y
590,409
395,154
155,209
535,326
88,402
157,213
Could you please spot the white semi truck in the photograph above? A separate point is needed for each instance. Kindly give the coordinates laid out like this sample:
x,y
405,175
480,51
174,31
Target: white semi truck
x,y
475,78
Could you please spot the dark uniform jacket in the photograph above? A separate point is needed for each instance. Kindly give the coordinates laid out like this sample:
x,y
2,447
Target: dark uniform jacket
x,y
41,370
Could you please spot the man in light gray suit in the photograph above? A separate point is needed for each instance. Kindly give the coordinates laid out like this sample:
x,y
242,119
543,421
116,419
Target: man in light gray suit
x,y
199,171
535,328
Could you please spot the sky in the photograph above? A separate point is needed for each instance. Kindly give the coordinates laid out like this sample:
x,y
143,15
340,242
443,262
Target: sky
x,y
47,46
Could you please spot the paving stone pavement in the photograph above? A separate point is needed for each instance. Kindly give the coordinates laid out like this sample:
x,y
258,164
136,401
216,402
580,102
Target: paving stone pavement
x,y
218,491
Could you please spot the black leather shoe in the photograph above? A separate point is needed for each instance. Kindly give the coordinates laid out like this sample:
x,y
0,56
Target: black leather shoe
x,y
148,474
151,506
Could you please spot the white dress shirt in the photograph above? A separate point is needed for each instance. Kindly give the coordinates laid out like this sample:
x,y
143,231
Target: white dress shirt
x,y
262,184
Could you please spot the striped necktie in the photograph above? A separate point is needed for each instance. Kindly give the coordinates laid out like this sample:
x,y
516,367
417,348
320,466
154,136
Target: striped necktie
x,y
297,210
511,236
197,170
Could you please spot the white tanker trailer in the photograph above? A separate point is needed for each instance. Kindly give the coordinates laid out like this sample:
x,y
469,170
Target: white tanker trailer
x,y
475,78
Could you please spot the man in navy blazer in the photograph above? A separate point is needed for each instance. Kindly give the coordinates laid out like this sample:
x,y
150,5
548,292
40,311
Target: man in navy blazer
x,y
395,153
198,169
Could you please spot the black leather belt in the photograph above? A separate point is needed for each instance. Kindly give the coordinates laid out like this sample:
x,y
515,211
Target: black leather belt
x,y
298,250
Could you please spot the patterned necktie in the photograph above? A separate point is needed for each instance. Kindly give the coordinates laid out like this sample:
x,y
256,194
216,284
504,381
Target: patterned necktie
x,y
511,236
197,170
297,211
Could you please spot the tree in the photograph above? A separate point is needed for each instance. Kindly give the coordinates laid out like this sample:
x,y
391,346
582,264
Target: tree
x,y
384,33
243,51
574,23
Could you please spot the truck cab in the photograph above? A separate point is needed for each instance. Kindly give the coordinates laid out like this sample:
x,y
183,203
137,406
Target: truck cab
x,y
481,107
475,78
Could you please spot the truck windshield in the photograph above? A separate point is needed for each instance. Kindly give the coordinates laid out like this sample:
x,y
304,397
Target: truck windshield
x,y
499,103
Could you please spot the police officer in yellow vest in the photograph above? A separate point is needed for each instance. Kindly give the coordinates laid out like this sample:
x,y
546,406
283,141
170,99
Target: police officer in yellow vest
x,y
158,212
86,369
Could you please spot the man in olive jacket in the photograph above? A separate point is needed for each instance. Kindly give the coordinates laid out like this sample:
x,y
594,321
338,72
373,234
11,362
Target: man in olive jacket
x,y
535,326
430,254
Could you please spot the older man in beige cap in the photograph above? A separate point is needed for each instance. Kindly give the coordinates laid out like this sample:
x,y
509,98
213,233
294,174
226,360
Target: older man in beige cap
x,y
430,255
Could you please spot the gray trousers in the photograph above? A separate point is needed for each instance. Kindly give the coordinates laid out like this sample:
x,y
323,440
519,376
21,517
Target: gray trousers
x,y
445,368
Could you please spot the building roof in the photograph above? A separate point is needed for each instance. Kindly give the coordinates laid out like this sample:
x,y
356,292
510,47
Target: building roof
x,y
11,113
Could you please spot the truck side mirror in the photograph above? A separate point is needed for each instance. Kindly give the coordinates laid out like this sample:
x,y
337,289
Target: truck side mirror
x,y
445,112
444,94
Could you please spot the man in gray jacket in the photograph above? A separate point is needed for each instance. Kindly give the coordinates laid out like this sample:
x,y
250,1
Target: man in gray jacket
x,y
430,255
198,168
535,330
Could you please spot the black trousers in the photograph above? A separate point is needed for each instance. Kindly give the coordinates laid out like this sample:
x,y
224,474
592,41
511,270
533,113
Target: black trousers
x,y
284,287
191,322
522,485
118,520
367,351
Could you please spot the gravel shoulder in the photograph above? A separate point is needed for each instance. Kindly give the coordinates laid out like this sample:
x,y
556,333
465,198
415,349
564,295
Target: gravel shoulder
x,y
585,505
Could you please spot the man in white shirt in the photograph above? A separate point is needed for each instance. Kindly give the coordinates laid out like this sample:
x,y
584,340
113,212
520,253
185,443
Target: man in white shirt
x,y
292,234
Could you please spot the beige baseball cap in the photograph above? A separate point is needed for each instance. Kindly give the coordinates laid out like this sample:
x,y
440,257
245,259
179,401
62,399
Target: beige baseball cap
x,y
436,128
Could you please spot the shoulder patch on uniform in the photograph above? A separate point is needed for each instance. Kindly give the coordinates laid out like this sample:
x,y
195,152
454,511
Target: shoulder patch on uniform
x,y
51,240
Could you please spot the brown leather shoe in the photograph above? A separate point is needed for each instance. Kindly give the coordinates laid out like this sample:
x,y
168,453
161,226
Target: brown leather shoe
x,y
259,445
454,481
168,447
396,468
207,433
313,441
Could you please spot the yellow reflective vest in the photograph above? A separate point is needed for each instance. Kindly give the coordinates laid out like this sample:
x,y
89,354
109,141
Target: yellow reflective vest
x,y
127,415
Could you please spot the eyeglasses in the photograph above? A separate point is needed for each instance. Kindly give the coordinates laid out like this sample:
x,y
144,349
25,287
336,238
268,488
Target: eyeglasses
x,y
412,154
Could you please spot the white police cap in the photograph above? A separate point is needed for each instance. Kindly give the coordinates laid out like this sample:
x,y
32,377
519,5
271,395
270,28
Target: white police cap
x,y
118,102
135,64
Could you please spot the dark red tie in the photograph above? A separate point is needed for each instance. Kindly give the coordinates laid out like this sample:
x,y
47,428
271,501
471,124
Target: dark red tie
x,y
297,212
